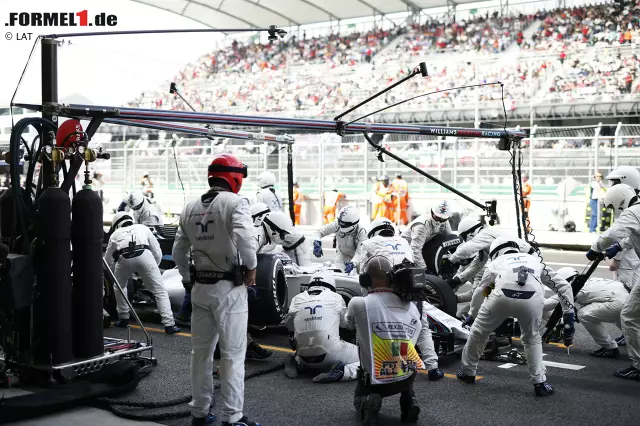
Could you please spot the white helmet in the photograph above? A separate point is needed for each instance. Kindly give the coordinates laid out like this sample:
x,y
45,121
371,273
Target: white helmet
x,y
441,211
278,226
121,219
348,218
503,245
266,179
135,200
625,174
619,197
323,279
567,273
469,227
258,210
379,226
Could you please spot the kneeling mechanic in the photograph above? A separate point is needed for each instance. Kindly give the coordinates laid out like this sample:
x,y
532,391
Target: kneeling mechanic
x,y
314,318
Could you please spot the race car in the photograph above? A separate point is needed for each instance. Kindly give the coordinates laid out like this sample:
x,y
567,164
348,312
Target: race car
x,y
279,279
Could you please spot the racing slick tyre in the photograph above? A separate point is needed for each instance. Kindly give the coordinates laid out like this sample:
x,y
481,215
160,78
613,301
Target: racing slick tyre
x,y
438,248
268,304
440,295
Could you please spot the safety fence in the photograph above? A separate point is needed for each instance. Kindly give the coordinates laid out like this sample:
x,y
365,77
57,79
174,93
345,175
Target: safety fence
x,y
560,163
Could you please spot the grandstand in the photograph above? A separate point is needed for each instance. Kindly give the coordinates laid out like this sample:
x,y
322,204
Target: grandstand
x,y
576,61
576,56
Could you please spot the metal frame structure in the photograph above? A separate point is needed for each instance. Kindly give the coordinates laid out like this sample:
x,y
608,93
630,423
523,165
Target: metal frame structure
x,y
138,117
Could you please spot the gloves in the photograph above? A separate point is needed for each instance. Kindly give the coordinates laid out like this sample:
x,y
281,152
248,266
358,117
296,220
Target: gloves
x,y
317,248
348,267
187,286
469,321
454,282
613,250
569,329
593,255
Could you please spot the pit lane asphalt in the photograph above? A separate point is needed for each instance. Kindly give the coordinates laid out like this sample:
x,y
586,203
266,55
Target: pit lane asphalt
x,y
503,396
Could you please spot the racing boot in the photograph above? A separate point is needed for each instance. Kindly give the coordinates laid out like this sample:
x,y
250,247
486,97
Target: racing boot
x,y
435,374
291,367
543,389
201,421
621,341
409,409
606,353
335,374
172,329
244,421
630,373
255,351
465,377
370,405
122,323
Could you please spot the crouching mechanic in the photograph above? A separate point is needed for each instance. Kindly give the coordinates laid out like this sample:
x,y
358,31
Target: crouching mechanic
x,y
278,230
134,250
477,241
600,301
348,236
425,227
388,357
512,287
622,235
314,318
218,231
144,211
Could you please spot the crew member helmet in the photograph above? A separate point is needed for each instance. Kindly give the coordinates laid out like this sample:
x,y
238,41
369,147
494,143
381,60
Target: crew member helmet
x,y
502,246
619,197
625,174
381,226
266,179
229,168
323,279
567,273
278,226
469,227
121,220
258,210
348,218
441,212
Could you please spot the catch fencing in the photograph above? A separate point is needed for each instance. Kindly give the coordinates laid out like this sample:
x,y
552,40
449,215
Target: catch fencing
x,y
560,163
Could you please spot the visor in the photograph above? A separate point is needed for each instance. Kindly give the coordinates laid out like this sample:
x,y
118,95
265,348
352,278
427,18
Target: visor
x,y
215,168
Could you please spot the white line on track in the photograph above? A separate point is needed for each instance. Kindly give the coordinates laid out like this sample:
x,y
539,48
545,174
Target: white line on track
x,y
548,364
563,365
507,365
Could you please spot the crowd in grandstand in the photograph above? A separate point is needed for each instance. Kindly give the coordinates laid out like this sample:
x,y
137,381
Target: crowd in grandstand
x,y
318,76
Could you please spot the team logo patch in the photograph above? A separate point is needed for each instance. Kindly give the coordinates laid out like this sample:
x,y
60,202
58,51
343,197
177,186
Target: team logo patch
x,y
443,207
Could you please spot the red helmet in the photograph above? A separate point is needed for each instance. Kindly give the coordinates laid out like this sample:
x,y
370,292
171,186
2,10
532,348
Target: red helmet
x,y
69,132
229,168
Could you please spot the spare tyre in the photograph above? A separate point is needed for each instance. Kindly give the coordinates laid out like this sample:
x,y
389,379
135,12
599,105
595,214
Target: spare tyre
x,y
438,248
440,295
268,304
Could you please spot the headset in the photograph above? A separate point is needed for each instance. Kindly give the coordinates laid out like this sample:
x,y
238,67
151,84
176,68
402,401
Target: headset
x,y
365,279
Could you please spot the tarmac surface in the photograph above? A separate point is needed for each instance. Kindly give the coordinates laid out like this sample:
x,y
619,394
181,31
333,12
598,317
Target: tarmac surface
x,y
586,391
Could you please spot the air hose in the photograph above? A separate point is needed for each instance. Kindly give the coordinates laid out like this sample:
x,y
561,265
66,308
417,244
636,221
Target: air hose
x,y
114,405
